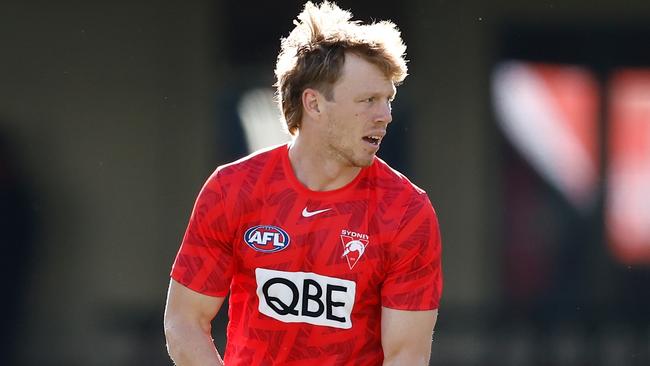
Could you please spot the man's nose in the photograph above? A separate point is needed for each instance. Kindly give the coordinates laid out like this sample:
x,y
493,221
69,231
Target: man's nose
x,y
385,114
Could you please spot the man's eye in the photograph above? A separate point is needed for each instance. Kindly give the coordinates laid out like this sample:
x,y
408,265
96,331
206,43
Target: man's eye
x,y
369,100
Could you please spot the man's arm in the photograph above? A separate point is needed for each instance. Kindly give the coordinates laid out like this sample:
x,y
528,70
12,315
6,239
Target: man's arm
x,y
188,317
406,336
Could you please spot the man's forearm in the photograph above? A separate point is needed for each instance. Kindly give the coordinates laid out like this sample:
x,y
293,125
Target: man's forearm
x,y
407,358
191,346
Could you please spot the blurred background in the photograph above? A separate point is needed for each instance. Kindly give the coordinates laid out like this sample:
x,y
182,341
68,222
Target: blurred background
x,y
527,122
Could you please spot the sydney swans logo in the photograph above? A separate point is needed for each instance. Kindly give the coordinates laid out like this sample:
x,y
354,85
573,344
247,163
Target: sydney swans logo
x,y
354,245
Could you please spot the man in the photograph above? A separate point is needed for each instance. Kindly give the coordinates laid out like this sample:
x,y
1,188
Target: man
x,y
330,257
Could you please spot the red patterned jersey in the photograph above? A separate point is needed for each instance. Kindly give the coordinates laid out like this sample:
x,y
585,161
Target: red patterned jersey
x,y
308,272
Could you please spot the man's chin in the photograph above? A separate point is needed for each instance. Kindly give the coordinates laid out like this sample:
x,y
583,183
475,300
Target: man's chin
x,y
364,162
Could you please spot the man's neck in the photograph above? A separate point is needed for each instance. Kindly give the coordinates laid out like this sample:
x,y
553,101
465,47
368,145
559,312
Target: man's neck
x,y
318,170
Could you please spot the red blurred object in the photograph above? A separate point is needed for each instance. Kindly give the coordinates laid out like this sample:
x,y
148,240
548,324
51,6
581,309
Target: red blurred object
x,y
628,195
550,114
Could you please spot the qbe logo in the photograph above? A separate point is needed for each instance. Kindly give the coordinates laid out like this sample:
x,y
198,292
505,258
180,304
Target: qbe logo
x,y
266,238
304,297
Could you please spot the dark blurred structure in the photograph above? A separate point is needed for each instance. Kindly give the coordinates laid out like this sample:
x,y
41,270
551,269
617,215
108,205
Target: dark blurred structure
x,y
119,111
18,231
562,278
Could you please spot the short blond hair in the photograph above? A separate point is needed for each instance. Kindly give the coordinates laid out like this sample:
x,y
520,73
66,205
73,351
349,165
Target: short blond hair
x,y
313,54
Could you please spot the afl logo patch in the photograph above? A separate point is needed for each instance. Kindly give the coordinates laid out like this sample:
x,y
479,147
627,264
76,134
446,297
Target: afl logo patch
x,y
266,238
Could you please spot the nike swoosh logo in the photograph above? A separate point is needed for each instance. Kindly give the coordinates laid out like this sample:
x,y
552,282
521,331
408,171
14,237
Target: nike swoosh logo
x,y
306,213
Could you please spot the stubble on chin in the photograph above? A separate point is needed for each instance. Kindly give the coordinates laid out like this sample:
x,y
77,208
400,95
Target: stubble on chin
x,y
363,161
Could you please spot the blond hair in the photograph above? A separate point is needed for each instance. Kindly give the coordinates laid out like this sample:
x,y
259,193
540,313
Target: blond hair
x,y
313,54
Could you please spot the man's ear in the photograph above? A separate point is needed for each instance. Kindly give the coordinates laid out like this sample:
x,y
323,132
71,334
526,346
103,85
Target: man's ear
x,y
311,102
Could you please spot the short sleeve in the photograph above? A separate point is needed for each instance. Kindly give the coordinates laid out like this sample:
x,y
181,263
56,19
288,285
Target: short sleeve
x,y
204,262
414,277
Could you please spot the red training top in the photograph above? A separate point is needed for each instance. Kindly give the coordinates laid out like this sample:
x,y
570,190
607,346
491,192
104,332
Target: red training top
x,y
308,272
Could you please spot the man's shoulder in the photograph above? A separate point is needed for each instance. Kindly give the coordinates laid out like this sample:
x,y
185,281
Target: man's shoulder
x,y
395,178
252,162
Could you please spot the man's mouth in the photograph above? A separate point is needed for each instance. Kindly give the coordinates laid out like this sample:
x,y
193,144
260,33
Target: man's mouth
x,y
375,140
